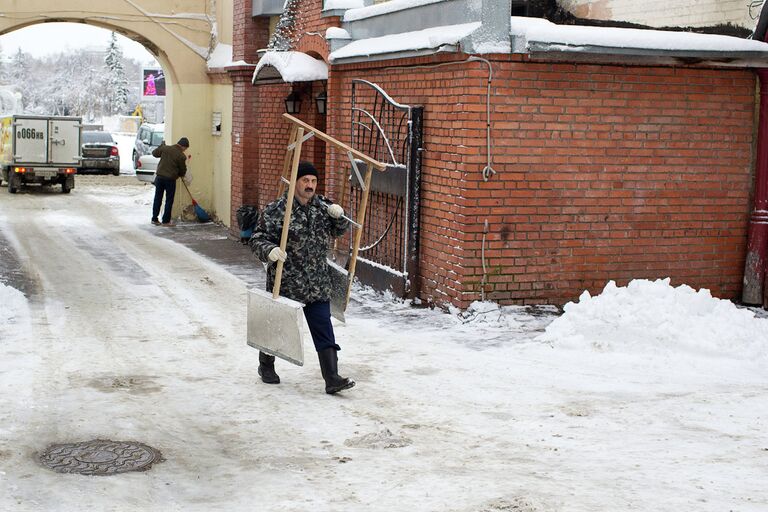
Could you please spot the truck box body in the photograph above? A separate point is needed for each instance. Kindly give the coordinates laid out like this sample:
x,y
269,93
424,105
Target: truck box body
x,y
40,149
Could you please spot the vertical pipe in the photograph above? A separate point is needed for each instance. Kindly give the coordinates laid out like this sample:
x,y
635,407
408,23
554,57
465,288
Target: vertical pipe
x,y
757,243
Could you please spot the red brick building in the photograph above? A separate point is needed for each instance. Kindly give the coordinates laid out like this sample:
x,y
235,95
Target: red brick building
x,y
540,172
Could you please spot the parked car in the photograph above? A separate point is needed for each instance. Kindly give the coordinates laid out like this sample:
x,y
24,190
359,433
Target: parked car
x,y
100,154
146,167
148,138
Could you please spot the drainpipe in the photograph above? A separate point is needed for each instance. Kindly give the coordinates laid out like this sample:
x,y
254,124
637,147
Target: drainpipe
x,y
755,289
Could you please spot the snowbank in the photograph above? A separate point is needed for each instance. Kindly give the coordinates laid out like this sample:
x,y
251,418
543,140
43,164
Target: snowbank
x,y
652,316
16,317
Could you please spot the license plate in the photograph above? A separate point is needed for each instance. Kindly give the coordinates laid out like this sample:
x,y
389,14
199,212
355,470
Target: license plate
x,y
46,174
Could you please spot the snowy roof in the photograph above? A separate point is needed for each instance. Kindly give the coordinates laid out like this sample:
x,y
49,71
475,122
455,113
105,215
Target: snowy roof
x,y
385,8
540,35
290,67
427,39
543,31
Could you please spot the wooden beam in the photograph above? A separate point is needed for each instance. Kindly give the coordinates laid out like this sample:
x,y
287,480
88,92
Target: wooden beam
x,y
327,138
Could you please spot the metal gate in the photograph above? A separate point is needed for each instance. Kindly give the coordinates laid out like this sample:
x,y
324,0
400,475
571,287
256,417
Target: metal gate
x,y
389,132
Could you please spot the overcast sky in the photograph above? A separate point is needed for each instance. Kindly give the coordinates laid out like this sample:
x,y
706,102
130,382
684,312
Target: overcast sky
x,y
48,38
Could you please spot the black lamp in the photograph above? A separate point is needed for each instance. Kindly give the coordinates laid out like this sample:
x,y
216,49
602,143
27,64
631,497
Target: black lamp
x,y
321,100
293,103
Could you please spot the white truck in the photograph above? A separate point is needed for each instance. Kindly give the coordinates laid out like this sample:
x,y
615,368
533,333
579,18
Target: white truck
x,y
42,150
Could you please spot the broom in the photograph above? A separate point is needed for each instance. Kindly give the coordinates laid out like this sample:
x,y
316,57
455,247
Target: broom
x,y
201,214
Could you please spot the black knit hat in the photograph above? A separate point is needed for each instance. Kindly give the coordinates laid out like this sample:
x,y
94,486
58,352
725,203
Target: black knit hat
x,y
306,168
183,142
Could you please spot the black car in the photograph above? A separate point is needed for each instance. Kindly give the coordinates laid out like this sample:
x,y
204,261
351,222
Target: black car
x,y
100,154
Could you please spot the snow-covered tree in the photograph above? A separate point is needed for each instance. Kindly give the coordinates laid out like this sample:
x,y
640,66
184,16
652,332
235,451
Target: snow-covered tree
x,y
284,36
116,83
3,68
72,83
19,73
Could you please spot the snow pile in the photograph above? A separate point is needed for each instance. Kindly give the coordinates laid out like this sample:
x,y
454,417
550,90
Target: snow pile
x,y
487,315
16,317
654,316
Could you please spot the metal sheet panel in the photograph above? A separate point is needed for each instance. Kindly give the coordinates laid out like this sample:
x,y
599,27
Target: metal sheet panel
x,y
64,142
339,284
31,137
275,325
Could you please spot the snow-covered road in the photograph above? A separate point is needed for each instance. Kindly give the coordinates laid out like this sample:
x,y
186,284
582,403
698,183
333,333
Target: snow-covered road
x,y
125,334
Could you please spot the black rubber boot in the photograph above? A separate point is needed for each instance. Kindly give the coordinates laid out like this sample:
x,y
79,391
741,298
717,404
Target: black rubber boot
x,y
329,362
267,369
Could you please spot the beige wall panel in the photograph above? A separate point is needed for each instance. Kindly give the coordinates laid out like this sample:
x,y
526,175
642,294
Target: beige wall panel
x,y
659,13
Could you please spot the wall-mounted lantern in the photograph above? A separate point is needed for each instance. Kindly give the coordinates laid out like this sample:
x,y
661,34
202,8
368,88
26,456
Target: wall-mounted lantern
x,y
293,103
322,101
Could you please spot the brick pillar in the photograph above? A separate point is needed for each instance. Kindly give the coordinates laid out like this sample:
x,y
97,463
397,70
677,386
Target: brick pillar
x,y
244,144
249,35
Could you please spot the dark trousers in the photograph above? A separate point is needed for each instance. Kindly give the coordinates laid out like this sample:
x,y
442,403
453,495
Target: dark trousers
x,y
165,186
318,315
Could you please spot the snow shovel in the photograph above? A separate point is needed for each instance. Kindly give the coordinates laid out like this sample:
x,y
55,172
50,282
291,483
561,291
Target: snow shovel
x,y
201,214
274,322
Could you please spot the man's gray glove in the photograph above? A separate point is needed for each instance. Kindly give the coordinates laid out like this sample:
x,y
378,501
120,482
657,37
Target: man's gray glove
x,y
335,211
277,254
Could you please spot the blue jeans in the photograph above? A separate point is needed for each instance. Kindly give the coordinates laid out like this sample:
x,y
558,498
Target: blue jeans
x,y
167,186
318,315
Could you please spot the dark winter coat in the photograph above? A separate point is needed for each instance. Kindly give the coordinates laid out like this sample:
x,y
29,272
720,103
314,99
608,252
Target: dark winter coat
x,y
173,161
306,275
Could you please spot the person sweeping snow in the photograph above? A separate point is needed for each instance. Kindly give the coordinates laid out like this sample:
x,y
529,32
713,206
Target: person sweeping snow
x,y
314,219
172,165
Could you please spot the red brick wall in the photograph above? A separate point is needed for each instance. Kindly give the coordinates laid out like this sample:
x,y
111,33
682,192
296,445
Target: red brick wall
x,y
604,172
249,35
274,130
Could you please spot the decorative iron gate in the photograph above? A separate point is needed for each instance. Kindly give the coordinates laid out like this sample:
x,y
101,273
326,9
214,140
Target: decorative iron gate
x,y
389,132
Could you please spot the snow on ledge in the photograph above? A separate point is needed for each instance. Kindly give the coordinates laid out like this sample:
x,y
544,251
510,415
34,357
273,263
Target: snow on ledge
x,y
291,66
337,33
537,30
418,40
220,57
332,5
385,8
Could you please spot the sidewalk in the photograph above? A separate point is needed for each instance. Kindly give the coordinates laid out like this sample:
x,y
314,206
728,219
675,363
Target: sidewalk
x,y
216,243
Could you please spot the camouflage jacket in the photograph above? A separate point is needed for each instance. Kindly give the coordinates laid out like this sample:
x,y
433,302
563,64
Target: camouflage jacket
x,y
305,271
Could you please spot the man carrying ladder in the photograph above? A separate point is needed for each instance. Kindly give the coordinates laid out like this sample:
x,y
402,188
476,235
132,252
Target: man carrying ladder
x,y
314,220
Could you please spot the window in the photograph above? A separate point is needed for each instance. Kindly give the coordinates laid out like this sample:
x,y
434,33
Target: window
x,y
91,137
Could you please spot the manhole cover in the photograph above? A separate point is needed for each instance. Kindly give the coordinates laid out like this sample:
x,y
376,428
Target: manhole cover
x,y
99,457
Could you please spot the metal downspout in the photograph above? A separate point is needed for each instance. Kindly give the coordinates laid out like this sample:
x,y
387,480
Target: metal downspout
x,y
755,290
